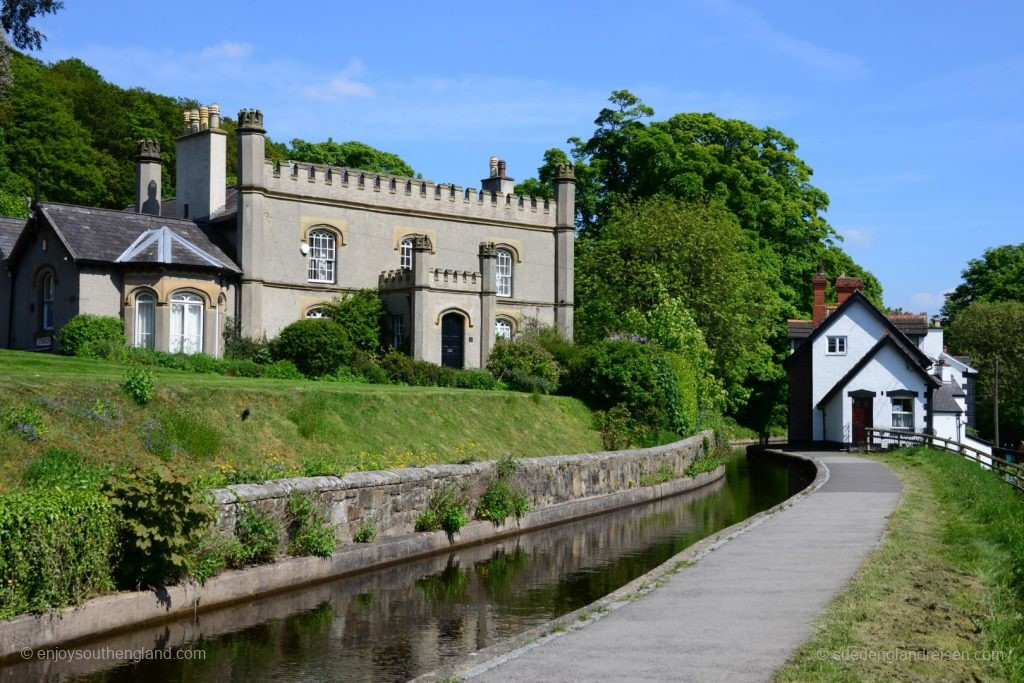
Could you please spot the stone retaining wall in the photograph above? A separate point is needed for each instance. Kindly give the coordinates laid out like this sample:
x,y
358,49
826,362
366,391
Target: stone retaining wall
x,y
392,499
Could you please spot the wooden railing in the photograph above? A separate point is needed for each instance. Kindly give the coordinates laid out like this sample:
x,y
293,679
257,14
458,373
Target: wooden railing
x,y
1010,472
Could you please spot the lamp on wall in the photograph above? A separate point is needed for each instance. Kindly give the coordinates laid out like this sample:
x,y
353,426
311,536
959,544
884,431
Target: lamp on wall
x,y
304,249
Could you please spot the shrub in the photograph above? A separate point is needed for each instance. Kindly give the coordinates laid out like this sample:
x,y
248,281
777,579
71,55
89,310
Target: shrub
x,y
282,369
90,336
500,502
524,365
446,510
259,535
56,549
138,384
213,554
366,365
366,533
24,420
659,476
191,431
401,369
238,347
308,529
317,346
638,377
163,515
60,469
360,314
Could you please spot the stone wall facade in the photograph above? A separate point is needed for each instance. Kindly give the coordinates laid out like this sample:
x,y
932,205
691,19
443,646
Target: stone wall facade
x,y
392,499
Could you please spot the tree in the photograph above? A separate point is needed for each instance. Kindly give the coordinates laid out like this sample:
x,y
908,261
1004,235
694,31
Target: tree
x,y
997,276
15,16
661,248
350,154
987,331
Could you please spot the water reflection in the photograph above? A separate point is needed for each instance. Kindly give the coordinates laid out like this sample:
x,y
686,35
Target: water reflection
x,y
395,623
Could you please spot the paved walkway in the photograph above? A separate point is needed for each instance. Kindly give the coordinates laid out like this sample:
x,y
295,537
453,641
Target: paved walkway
x,y
740,611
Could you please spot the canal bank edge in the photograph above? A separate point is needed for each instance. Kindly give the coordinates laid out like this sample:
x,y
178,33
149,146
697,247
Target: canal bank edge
x,y
494,655
572,487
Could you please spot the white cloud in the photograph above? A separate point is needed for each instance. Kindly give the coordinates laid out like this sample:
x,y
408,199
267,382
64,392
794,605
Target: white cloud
x,y
929,301
859,237
341,85
756,28
226,50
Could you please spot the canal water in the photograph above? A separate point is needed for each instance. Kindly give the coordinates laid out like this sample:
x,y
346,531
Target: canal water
x,y
396,623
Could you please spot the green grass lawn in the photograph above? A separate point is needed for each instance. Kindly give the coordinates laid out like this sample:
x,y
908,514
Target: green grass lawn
x,y
293,427
942,598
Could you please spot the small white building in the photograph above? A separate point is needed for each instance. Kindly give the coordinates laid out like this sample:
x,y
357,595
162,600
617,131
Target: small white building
x,y
853,367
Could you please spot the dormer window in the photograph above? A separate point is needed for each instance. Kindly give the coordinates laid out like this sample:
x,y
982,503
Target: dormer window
x,y
837,346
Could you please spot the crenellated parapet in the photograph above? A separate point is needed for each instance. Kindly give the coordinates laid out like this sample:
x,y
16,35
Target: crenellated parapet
x,y
149,150
319,181
401,278
250,120
459,280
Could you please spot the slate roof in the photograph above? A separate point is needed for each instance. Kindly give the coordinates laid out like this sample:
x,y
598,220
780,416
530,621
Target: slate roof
x,y
943,400
169,207
910,324
103,236
10,229
957,390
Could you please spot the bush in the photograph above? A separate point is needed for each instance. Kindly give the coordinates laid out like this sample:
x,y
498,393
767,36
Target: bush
x,y
56,549
308,529
401,369
317,346
282,369
163,515
90,336
237,347
360,315
524,365
366,533
139,385
446,510
637,377
500,502
24,420
213,554
259,535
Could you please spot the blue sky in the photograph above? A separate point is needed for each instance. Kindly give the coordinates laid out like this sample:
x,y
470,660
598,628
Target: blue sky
x,y
910,113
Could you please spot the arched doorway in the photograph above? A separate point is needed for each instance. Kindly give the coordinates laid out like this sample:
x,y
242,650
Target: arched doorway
x,y
452,336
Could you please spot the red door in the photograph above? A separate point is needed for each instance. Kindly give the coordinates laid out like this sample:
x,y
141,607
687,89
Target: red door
x,y
862,418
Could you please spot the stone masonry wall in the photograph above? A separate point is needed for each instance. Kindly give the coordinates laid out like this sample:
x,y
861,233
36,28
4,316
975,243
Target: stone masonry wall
x,y
392,499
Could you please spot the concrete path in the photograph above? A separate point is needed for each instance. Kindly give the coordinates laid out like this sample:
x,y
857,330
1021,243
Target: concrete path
x,y
740,611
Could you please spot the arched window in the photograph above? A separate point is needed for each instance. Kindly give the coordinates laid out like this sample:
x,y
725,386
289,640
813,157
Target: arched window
x,y
322,248
316,312
145,320
502,329
186,323
46,301
504,268
405,260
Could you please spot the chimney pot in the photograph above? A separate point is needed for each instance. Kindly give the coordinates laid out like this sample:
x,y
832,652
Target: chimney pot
x,y
214,115
494,166
501,168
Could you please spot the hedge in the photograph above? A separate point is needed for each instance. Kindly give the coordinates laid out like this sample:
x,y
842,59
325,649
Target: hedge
x,y
90,336
55,549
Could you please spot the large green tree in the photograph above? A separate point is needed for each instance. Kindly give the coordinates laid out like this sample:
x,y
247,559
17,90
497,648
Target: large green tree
x,y
989,331
997,276
350,154
15,16
660,249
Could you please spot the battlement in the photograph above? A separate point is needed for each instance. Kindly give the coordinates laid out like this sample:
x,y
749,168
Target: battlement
x,y
460,280
406,194
149,150
395,279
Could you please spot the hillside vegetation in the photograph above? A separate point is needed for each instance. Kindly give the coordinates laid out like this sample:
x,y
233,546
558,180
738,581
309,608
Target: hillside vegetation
x,y
290,427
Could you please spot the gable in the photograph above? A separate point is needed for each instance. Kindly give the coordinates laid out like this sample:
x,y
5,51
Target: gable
x,y
885,367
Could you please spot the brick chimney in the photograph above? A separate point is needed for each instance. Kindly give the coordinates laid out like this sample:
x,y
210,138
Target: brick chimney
x,y
819,310
845,286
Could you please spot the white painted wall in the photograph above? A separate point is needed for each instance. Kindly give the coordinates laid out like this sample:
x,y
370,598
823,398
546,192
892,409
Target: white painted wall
x,y
932,343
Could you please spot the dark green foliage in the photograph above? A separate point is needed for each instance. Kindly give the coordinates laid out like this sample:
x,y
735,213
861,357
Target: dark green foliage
x,y
350,154
63,470
200,362
24,420
634,376
90,336
997,276
366,368
401,369
446,510
308,529
56,549
239,347
360,314
162,517
366,533
139,385
507,466
212,554
500,501
618,431
524,365
317,346
260,536
709,460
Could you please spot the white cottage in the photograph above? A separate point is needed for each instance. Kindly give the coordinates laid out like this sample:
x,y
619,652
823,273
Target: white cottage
x,y
853,367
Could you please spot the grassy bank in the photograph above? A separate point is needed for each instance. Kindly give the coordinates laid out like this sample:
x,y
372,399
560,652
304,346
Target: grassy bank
x,y
290,427
942,598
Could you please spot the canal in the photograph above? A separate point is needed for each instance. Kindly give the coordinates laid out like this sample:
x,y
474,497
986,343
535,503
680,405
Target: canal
x,y
398,622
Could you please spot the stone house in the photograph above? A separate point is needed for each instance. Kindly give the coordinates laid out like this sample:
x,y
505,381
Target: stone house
x,y
853,367
455,267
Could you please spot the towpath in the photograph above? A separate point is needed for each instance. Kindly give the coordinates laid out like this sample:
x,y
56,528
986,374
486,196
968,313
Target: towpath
x,y
739,612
